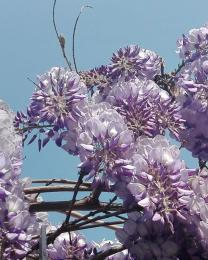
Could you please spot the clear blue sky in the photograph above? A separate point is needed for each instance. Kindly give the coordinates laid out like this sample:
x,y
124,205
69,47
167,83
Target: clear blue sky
x,y
28,47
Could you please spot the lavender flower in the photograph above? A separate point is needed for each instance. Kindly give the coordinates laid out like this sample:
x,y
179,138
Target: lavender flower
x,y
198,206
57,97
133,61
106,144
194,45
66,248
55,108
108,244
146,108
194,137
161,183
17,225
9,140
193,79
193,49
147,239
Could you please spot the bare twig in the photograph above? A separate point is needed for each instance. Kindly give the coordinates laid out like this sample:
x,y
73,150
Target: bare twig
x,y
112,214
76,214
102,224
68,227
202,164
33,82
74,33
76,190
60,38
93,213
180,66
65,181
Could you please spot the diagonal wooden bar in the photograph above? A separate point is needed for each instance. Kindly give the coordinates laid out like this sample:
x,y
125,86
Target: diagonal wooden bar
x,y
57,188
62,206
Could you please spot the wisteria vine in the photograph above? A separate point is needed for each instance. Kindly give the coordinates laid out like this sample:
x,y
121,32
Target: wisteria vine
x,y
119,120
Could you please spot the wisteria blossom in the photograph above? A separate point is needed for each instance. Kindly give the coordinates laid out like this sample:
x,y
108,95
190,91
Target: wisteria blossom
x,y
161,183
148,239
108,244
194,137
193,79
194,45
99,77
134,61
73,247
57,97
56,103
9,140
198,205
106,143
147,109
127,63
17,225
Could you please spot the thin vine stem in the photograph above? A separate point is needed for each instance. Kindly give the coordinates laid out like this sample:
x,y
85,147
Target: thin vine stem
x,y
74,34
60,38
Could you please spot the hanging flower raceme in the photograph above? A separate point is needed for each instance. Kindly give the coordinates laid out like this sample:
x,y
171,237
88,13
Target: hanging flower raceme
x,y
147,109
58,97
9,140
148,239
194,137
74,247
56,105
106,144
17,225
193,49
133,61
161,183
126,64
193,80
199,207
194,45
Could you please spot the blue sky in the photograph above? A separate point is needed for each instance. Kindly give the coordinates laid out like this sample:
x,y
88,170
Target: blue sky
x,y
28,47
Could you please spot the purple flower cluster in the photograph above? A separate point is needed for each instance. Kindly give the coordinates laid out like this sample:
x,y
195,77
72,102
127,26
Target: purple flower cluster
x,y
193,80
173,223
75,247
106,143
147,109
198,205
133,61
58,97
160,183
65,247
108,244
194,137
194,45
96,77
148,239
127,63
56,104
17,225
